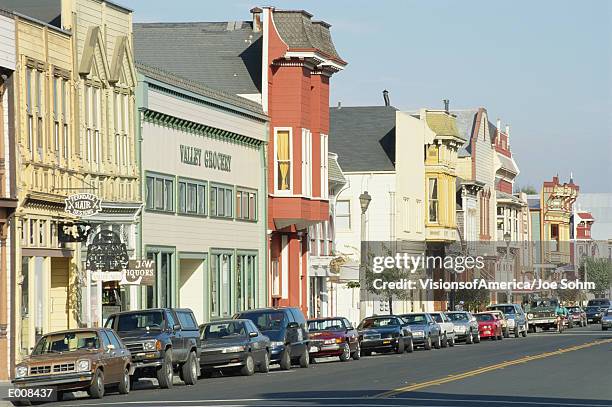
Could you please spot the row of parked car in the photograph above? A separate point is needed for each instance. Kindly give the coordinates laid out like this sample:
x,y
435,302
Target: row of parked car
x,y
160,343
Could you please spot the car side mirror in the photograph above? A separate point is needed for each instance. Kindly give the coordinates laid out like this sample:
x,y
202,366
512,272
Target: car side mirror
x,y
110,347
293,325
176,327
253,334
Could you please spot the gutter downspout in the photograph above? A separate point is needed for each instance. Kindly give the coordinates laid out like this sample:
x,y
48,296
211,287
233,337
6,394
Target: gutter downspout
x,y
141,104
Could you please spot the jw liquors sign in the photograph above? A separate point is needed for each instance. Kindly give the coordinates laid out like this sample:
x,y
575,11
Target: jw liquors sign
x,y
84,204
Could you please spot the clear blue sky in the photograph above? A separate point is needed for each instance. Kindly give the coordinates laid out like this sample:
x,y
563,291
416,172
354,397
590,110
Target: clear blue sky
x,y
544,67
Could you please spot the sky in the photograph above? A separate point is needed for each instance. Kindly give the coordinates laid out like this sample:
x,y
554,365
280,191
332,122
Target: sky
x,y
543,67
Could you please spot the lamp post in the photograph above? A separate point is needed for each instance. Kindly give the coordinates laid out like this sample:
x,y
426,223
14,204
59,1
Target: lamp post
x,y
364,201
507,238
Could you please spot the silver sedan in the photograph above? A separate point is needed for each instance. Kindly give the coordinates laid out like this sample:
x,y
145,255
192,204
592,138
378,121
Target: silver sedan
x,y
606,320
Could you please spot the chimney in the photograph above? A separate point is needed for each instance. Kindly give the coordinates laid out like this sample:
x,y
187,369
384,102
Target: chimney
x,y
339,105
446,105
499,125
386,97
256,12
508,131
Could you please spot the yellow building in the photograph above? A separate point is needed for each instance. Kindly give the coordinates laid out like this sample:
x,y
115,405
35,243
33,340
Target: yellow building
x,y
75,134
440,191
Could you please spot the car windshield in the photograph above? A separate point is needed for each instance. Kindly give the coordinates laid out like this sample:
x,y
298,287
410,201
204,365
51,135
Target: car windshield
x,y
599,303
267,321
437,317
592,308
67,342
326,325
484,317
378,323
506,309
415,319
140,321
224,330
458,317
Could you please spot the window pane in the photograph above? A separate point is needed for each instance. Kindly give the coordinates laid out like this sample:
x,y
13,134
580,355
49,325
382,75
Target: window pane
x,y
159,194
169,201
213,201
283,159
252,207
149,192
181,197
220,202
201,199
214,281
238,205
228,202
191,198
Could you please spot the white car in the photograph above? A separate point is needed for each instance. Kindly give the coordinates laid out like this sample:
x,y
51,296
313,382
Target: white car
x,y
447,328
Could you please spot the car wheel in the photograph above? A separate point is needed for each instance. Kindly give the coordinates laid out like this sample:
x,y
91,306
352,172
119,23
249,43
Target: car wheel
x,y
399,349
524,332
357,354
428,343
249,366
469,338
451,343
96,388
124,385
438,343
410,347
444,340
285,362
305,359
264,367
517,332
189,370
165,372
346,353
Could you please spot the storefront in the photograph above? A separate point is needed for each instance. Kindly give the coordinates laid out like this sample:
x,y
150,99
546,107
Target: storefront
x,y
203,172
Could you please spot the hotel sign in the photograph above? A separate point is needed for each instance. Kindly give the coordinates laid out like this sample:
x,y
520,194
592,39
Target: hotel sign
x,y
211,159
84,204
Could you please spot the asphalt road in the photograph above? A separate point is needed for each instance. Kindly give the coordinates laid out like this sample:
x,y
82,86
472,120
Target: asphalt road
x,y
545,369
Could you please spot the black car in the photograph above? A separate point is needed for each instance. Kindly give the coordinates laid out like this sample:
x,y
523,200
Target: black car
x,y
234,343
425,331
594,313
288,333
385,333
161,341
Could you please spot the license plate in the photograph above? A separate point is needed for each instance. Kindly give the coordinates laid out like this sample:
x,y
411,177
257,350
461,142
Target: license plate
x,y
313,349
386,342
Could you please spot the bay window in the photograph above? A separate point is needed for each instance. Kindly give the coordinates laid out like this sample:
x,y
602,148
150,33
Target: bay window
x,y
282,158
433,199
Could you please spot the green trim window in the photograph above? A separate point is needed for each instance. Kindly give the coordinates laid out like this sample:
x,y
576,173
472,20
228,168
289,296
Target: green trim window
x,y
221,266
246,204
163,294
246,272
159,193
191,197
221,201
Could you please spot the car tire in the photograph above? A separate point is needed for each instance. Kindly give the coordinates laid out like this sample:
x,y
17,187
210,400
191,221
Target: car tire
x,y
249,366
400,347
427,344
451,342
125,384
96,388
346,353
410,347
357,353
444,341
305,359
165,372
604,328
438,342
524,332
285,362
189,370
264,367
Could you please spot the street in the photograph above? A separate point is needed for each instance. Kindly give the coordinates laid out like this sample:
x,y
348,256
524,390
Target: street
x,y
544,369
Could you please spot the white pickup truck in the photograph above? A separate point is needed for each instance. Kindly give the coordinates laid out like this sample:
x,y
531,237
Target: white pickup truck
x,y
447,328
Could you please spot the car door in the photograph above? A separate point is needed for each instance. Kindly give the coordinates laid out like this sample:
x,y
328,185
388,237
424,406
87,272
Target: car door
x,y
351,334
120,354
176,338
258,346
109,359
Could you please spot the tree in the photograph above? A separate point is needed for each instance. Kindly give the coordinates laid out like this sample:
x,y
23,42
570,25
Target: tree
x,y
529,190
473,300
569,295
598,271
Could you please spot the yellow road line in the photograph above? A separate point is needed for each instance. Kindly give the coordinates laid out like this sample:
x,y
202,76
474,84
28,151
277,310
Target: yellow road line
x,y
474,372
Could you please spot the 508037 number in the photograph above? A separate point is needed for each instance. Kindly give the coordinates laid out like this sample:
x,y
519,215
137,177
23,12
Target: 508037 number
x,y
32,393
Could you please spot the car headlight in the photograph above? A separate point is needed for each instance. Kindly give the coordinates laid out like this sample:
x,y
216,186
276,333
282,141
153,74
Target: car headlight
x,y
418,333
150,345
276,344
529,316
21,371
232,349
83,365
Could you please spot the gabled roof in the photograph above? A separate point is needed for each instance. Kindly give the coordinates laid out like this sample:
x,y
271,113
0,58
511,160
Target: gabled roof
x,y
298,31
222,55
442,123
465,120
585,216
334,170
363,137
46,11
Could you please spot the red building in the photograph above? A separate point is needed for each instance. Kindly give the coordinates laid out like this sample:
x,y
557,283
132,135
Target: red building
x,y
299,59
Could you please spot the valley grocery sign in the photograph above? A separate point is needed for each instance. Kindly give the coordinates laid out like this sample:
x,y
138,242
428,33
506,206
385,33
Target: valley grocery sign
x,y
212,159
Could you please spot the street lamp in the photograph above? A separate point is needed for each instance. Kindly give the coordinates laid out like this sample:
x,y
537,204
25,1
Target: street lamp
x,y
507,238
364,201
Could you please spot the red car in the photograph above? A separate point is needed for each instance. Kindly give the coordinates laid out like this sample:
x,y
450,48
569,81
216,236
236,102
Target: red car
x,y
333,337
489,325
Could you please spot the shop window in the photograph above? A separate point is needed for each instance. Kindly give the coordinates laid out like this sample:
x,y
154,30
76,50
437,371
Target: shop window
x,y
159,193
192,197
25,286
246,265
343,216
433,199
221,201
282,158
221,293
246,205
163,295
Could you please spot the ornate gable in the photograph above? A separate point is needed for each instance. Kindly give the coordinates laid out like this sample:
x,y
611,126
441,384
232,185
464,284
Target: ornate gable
x,y
122,68
94,61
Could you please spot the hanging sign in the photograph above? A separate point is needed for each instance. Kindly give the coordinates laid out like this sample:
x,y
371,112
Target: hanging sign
x,y
68,232
83,204
139,272
106,253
